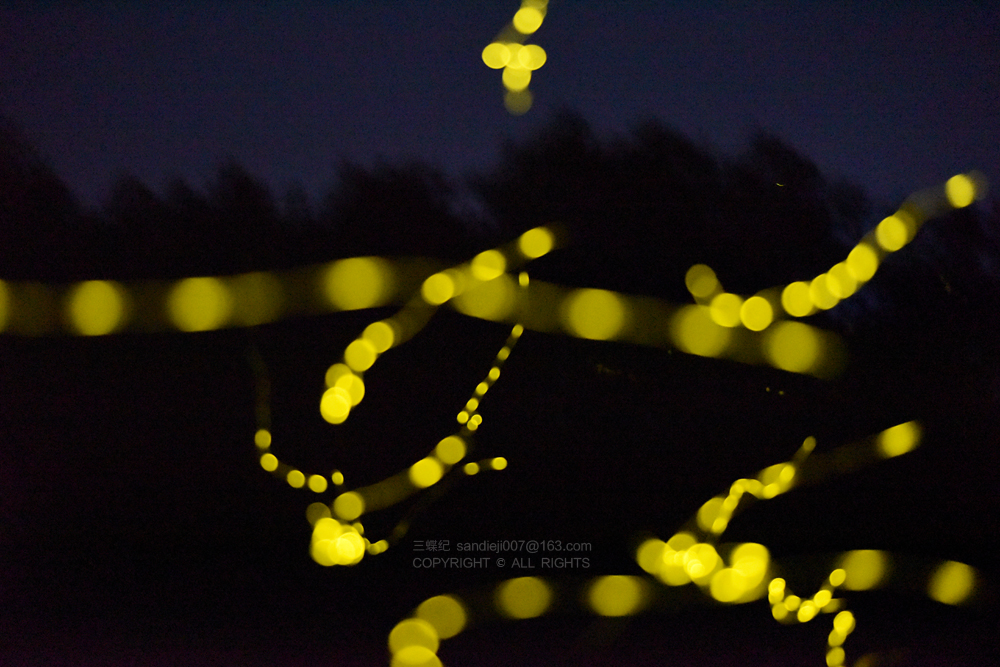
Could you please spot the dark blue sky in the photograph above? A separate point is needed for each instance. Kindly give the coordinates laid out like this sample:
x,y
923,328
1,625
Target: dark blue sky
x,y
895,96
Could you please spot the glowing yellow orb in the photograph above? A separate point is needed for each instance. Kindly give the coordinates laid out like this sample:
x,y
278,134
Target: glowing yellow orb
x,y
527,20
199,304
96,307
960,190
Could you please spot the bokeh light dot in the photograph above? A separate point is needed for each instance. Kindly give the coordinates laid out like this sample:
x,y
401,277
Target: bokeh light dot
x,y
96,307
960,190
527,20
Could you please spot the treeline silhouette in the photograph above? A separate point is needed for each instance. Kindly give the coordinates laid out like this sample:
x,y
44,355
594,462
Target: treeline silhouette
x,y
639,210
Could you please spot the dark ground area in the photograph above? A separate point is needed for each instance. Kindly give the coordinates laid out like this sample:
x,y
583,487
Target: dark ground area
x,y
139,529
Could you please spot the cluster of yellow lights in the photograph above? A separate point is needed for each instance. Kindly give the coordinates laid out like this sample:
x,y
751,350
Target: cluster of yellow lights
x,y
338,536
726,573
823,292
719,324
518,60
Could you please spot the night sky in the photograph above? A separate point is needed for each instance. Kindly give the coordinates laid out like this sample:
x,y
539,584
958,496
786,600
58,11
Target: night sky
x,y
893,96
136,524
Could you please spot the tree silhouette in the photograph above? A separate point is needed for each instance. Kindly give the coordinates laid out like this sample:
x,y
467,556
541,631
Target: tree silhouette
x,y
659,203
247,229
395,210
39,216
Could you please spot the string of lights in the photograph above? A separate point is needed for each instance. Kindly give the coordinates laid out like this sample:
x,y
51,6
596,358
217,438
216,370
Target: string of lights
x,y
726,573
508,52
751,329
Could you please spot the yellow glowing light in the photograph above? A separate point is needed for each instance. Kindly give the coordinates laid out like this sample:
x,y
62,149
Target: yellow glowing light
x,y
471,468
527,20
445,613
413,632
269,462
701,281
415,656
594,314
262,438
295,479
524,597
488,265
899,439
756,313
835,657
649,555
840,281
518,102
380,334
360,355
960,190
337,477
862,262
536,242
837,577
700,561
616,595
317,483
807,612
4,307
96,307
952,583
353,385
349,506
693,331
496,55
725,309
796,301
844,622
426,472
671,570
820,293
531,56
499,463
892,233
482,387
516,79
335,405
438,289
335,543
865,568
727,585
451,450
335,372
822,598
793,346
358,282
709,512
199,304
493,300
752,561
347,549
